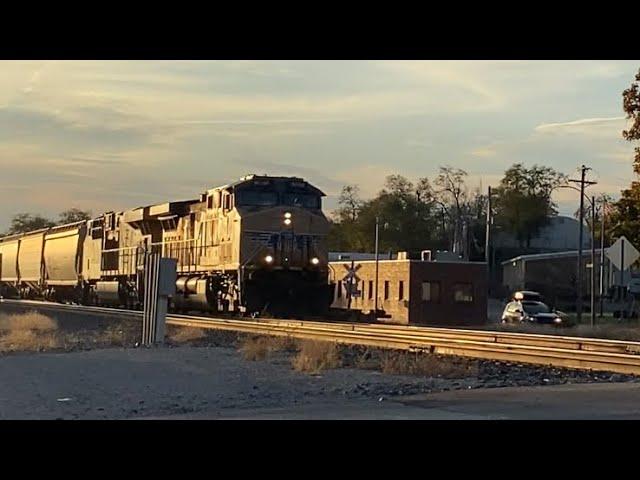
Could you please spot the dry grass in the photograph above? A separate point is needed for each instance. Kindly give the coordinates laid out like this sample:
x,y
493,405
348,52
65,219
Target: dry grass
x,y
112,335
612,332
607,331
29,331
187,334
32,331
259,348
423,364
28,340
315,356
29,321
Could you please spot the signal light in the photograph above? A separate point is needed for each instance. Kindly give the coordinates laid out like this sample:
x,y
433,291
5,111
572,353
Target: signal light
x,y
315,261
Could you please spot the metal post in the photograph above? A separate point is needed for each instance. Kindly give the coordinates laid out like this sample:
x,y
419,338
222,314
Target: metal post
x,y
593,261
621,269
487,240
580,234
350,285
604,203
375,308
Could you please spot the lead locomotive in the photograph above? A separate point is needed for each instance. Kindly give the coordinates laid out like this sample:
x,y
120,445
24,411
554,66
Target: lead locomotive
x,y
254,246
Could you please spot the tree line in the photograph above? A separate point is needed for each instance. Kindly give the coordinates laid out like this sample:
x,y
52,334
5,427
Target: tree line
x,y
27,222
444,212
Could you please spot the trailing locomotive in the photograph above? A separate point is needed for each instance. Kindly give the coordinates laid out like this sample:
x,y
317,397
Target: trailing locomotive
x,y
254,246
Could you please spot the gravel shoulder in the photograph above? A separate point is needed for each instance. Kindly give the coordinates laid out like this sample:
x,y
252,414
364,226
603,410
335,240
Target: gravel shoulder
x,y
211,382
208,376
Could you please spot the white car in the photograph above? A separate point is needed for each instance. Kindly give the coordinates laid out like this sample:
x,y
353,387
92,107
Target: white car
x,y
528,307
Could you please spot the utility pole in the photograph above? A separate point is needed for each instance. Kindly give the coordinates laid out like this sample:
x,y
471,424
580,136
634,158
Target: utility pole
x,y
593,261
487,240
375,302
602,211
579,286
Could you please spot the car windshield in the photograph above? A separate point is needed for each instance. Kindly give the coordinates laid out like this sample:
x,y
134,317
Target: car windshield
x,y
535,307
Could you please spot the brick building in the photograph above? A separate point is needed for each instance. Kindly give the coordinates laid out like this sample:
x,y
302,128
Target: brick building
x,y
414,291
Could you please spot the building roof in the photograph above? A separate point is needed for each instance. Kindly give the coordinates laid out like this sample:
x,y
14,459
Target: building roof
x,y
561,233
551,255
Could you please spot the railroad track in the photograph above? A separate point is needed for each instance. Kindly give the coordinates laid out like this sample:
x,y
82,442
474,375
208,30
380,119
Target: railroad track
x,y
558,351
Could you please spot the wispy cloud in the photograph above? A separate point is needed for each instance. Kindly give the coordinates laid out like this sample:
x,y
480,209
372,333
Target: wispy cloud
x,y
582,125
266,121
483,152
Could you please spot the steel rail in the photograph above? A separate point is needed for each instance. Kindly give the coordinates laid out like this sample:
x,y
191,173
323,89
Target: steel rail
x,y
559,351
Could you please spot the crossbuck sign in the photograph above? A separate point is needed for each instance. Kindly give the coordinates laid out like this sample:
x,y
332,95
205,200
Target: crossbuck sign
x,y
351,279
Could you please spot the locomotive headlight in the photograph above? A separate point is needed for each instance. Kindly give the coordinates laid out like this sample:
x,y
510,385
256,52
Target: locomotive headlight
x,y
287,215
268,259
315,261
287,221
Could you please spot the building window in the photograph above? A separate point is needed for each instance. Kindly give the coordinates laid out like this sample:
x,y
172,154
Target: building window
x,y
431,292
370,289
463,292
339,288
401,290
386,289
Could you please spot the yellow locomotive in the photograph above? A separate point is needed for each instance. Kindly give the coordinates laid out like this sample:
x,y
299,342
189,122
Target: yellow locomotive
x,y
257,246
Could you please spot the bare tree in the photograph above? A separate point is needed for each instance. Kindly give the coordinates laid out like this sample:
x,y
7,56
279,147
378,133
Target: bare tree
x,y
349,203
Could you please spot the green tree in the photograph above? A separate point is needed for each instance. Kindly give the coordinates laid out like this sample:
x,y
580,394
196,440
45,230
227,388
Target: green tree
x,y
404,210
625,219
27,222
406,219
74,215
523,200
412,216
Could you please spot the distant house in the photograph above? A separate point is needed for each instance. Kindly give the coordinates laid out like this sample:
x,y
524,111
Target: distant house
x,y
554,274
559,235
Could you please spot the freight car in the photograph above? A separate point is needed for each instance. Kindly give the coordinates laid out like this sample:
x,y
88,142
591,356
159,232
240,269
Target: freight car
x,y
254,246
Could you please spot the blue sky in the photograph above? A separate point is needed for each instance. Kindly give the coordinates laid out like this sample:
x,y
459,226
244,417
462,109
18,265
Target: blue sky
x,y
108,135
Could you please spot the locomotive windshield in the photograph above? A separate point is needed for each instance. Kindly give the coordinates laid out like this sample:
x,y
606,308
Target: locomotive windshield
x,y
257,198
273,195
304,200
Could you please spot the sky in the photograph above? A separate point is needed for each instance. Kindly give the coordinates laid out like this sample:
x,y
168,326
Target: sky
x,y
111,135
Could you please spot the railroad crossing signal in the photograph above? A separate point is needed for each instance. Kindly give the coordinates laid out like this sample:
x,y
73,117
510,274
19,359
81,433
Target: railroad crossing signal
x,y
351,273
351,280
352,290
